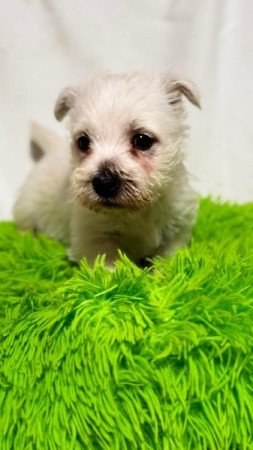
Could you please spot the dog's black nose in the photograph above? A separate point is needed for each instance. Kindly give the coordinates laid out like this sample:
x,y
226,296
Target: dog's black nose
x,y
106,184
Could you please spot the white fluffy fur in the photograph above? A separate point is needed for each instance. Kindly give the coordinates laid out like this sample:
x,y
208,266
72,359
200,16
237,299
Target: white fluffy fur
x,y
155,214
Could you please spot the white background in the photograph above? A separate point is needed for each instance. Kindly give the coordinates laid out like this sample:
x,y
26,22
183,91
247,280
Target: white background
x,y
47,44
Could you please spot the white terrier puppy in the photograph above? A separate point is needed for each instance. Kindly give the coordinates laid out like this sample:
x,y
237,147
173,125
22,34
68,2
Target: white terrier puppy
x,y
123,185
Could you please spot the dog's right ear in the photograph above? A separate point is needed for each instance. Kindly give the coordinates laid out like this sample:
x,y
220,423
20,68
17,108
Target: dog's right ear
x,y
64,102
178,86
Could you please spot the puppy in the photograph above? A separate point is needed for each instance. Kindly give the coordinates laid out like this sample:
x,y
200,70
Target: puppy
x,y
123,185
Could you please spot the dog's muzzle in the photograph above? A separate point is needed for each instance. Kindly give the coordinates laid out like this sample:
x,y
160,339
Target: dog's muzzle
x,y
106,184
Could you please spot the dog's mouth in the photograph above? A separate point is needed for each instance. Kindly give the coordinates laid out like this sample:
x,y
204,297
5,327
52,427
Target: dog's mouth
x,y
110,204
115,192
125,196
123,202
125,199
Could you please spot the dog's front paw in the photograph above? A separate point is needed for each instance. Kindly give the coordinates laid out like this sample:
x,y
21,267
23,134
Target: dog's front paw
x,y
110,265
72,256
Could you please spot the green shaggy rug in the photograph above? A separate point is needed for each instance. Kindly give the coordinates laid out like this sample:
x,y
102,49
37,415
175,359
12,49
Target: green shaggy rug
x,y
131,359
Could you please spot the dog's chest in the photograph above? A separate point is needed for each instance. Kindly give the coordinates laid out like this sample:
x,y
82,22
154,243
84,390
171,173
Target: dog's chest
x,y
137,235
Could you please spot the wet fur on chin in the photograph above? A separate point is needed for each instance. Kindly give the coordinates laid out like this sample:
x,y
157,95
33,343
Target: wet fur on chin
x,y
155,206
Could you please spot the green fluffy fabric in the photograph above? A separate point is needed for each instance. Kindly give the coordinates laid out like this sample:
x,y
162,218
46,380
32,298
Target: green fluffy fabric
x,y
132,359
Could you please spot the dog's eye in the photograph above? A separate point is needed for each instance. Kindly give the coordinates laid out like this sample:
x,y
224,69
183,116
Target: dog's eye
x,y
142,141
83,143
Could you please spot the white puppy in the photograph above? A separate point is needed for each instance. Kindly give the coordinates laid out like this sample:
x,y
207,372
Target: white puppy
x,y
123,185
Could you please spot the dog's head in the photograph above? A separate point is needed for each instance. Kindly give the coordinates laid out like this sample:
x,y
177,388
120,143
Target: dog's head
x,y
126,135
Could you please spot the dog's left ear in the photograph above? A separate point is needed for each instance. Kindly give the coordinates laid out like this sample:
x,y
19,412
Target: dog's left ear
x,y
176,87
64,102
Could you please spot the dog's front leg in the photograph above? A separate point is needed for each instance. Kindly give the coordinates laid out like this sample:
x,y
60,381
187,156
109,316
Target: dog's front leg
x,y
81,247
88,238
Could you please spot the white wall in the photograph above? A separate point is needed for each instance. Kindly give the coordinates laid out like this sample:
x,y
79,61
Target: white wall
x,y
47,44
